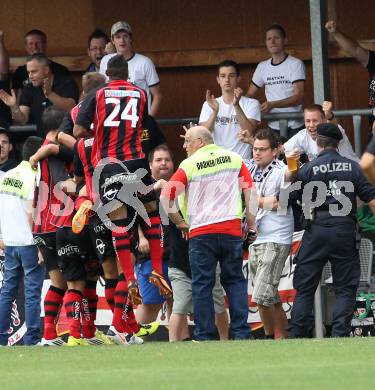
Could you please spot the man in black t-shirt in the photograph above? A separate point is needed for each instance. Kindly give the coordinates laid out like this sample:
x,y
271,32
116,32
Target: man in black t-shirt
x,y
35,42
47,89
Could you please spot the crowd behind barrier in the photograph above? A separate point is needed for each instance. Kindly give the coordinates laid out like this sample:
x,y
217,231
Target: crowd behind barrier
x,y
219,151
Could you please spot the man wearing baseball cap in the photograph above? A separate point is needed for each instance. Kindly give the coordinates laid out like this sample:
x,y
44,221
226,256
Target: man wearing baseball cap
x,y
142,70
328,187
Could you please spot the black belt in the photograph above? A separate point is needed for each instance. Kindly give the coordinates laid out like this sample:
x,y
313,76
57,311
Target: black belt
x,y
320,214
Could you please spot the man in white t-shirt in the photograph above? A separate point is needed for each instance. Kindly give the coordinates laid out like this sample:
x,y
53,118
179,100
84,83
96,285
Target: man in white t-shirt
x,y
142,70
283,78
268,253
227,115
305,140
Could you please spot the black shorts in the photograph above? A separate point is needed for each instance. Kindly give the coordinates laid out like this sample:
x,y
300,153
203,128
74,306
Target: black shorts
x,y
76,257
126,181
101,239
46,243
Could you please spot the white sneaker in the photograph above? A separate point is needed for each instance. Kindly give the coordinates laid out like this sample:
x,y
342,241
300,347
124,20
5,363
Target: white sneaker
x,y
57,342
133,339
122,338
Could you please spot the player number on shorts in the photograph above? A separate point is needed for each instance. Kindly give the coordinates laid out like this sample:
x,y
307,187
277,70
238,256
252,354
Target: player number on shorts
x,y
129,113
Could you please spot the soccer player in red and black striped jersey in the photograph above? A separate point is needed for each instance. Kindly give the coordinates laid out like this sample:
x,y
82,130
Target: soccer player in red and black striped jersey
x,y
124,328
50,208
121,171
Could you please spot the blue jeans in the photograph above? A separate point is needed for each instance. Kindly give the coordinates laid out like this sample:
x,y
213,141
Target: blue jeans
x,y
204,253
21,260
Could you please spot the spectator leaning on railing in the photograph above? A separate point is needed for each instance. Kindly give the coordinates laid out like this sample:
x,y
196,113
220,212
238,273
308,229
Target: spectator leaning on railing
x,y
35,42
46,89
306,140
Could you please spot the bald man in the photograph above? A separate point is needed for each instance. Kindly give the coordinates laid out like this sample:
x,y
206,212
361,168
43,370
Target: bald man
x,y
209,184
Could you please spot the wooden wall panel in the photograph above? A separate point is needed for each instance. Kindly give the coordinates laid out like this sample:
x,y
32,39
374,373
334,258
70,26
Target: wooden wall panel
x,y
193,24
67,24
356,18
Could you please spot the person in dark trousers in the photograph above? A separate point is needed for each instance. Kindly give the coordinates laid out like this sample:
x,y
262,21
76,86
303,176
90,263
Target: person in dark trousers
x,y
328,187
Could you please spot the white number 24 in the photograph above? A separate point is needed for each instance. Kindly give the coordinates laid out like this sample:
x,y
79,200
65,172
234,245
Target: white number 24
x,y
129,113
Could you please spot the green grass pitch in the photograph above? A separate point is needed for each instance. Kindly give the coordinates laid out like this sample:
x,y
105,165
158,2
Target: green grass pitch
x,y
290,364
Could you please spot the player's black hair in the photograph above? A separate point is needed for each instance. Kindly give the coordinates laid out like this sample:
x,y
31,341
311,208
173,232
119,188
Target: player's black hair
x,y
117,68
52,118
31,146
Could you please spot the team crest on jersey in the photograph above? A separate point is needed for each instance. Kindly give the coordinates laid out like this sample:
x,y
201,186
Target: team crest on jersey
x,y
100,246
110,193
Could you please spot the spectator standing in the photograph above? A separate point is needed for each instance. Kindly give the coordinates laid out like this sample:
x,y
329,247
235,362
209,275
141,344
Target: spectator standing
x,y
365,57
35,42
6,162
46,89
21,254
97,42
208,179
227,115
283,78
330,232
142,72
268,253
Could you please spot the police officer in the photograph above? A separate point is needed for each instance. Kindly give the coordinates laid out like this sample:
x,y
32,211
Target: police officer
x,y
328,189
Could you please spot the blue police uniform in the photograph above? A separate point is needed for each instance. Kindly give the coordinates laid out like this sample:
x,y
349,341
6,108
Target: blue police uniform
x,y
333,182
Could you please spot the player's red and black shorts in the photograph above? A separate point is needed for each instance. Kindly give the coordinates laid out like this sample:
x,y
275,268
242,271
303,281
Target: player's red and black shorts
x,y
76,256
46,243
101,239
126,180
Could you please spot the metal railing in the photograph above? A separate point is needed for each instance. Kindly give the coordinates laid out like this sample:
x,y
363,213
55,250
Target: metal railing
x,y
283,118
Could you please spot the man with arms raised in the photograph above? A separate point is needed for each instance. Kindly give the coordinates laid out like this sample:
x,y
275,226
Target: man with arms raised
x,y
306,140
